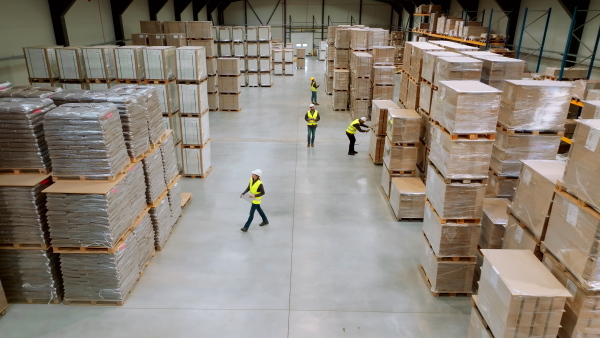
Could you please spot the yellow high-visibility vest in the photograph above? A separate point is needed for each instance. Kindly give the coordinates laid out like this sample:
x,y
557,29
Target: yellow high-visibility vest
x,y
254,191
313,86
312,116
351,129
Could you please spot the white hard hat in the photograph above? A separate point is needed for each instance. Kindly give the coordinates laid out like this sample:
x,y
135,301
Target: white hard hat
x,y
311,105
257,172
363,118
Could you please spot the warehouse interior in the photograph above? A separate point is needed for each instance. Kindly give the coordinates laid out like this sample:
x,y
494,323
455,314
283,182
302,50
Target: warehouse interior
x,y
470,207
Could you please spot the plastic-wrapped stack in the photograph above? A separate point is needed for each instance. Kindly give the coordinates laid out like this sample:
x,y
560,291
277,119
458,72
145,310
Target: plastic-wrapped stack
x,y
497,69
71,67
100,66
384,72
412,67
86,140
407,198
162,221
329,63
493,228
464,115
341,60
229,84
42,65
130,64
161,72
361,64
22,140
30,92
457,68
155,176
169,158
301,58
379,117
428,74
518,300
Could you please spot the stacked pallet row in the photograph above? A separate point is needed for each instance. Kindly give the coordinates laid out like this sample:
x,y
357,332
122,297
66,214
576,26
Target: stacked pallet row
x,y
383,76
570,244
361,87
517,297
259,65
300,58
159,33
229,75
397,41
29,270
193,103
283,61
462,131
411,72
341,62
530,126
330,62
199,33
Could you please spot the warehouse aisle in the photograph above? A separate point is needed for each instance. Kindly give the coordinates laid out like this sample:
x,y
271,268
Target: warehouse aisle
x,y
333,262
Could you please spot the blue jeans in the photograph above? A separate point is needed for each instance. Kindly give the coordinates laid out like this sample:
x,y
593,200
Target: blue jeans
x,y
311,134
251,217
313,97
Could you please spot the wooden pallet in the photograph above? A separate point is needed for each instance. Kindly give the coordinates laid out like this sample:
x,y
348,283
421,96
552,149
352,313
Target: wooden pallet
x,y
201,39
37,80
72,81
24,246
512,131
19,171
35,301
158,81
192,82
563,191
563,79
95,302
467,136
185,198
422,111
464,221
198,175
409,219
130,81
99,80
442,293
111,178
232,110
216,109
401,172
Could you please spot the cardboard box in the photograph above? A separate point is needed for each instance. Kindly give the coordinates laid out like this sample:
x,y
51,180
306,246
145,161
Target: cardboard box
x,y
253,79
407,197
383,92
460,158
151,27
196,130
229,84
328,81
535,192
70,63
300,63
213,101
252,49
379,115
197,161
229,102
425,96
264,49
569,73
266,79
173,122
501,186
358,39
168,95
252,64
238,34
341,58
457,68
264,33
288,69
446,276
193,98
464,107
342,38
251,33
228,66
361,88
288,55
384,55
211,66
199,29
130,63
517,237
590,110
412,95
340,100
359,107
225,33
209,45
212,84
160,63
278,68
138,39
478,326
450,239
493,222
497,69
386,179
455,200
376,144
403,126
341,79
400,158
384,75
225,49
175,40
157,40
191,63
517,298
429,63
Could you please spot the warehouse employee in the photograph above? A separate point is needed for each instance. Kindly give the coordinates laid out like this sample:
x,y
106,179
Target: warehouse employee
x,y
354,126
257,191
312,117
313,88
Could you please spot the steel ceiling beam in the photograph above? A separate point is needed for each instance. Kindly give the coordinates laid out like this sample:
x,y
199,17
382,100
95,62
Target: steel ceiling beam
x,y
197,6
154,6
211,5
58,9
180,6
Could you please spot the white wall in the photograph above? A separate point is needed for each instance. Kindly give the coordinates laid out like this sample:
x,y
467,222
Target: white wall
x,y
136,12
167,13
188,14
89,22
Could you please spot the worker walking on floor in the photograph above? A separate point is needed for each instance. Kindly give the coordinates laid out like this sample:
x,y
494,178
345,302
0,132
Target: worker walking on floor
x,y
352,128
313,88
257,191
312,117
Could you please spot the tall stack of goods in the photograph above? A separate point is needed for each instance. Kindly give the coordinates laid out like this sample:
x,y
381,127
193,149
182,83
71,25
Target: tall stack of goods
x,y
301,58
361,88
71,68
99,66
288,58
193,103
570,244
516,300
493,228
252,60
130,64
322,52
175,33
379,117
229,84
161,73
42,65
29,270
411,72
278,64
225,41
265,55
329,64
199,33
341,60
530,125
383,76
496,68
238,36
464,115
397,41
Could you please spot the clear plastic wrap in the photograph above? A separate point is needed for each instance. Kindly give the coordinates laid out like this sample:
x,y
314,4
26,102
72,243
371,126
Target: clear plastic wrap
x,y
162,222
252,64
412,95
108,277
264,49
400,158
228,66
571,238
446,276
384,75
519,299
497,69
425,96
384,55
30,92
193,98
329,68
568,73
407,197
330,52
99,62
519,238
341,58
264,33
460,158
191,63
361,64
41,62
278,56
359,107
239,49
581,173
70,63
340,100
196,129
457,68
251,33
342,38
383,92
173,122
175,199
358,39
160,63
377,37
535,192
152,106
86,139
464,107
331,35
169,158
82,219
449,239
22,139
31,276
535,105
454,200
154,175
376,144
493,222
199,29
361,88
197,161
429,61
23,209
379,115
224,33
252,49
501,186
226,49
403,126
130,62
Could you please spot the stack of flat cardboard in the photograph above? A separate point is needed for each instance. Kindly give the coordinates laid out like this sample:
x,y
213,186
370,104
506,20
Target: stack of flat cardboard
x,y
379,114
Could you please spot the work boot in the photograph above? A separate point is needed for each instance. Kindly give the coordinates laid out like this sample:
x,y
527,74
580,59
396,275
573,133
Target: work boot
x,y
317,103
264,223
312,144
308,145
244,229
351,153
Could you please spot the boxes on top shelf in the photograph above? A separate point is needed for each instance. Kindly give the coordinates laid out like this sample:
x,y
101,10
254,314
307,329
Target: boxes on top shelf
x,y
191,63
130,63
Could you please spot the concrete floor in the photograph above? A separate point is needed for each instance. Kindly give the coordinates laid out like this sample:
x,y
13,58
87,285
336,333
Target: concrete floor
x,y
333,262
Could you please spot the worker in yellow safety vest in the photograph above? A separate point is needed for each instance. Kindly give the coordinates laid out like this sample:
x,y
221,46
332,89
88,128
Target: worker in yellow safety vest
x,y
257,191
313,88
352,128
312,117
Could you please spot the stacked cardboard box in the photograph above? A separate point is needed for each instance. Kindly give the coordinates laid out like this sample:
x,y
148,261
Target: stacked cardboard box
x,y
341,60
361,64
427,78
300,58
407,198
412,66
42,64
229,84
130,64
71,68
288,58
493,227
100,66
518,300
497,69
457,68
278,64
379,117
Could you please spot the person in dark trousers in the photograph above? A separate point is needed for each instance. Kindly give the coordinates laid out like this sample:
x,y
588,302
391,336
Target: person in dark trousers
x,y
313,88
352,128
257,191
312,117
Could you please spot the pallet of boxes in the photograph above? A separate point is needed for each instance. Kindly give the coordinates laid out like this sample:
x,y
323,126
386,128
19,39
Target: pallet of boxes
x,y
329,64
239,52
259,67
229,75
384,73
379,117
300,58
278,64
265,54
193,103
71,68
199,33
464,116
288,59
341,64
42,65
361,64
411,72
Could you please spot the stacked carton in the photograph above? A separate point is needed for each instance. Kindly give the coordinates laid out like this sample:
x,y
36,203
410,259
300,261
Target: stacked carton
x,y
464,115
161,73
99,66
530,125
130,64
329,63
278,61
517,300
300,58
361,65
412,66
288,58
42,65
229,84
493,227
199,33
71,68
341,60
379,117
383,76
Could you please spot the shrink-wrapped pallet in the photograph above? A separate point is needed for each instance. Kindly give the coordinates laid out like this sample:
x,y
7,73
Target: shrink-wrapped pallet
x,y
225,49
175,199
493,222
383,92
42,62
191,63
581,172
425,96
225,33
361,88
160,63
535,192
376,144
209,45
403,126
211,84
341,58
329,68
197,161
154,176
162,222
330,52
288,55
517,237
173,122
264,49
31,276
379,115
340,100
341,79
501,186
360,107
278,56
239,49
266,79
229,101
460,157
237,33
213,101
252,49
377,37
193,98
157,40
497,69
429,62
130,63
86,140
400,157
358,39
30,92
252,64
251,33
211,66
342,38
331,34
168,95
229,84
449,239
264,33
519,299
70,63
384,55
169,158
457,68
384,75
328,81
196,130
535,105
99,62
454,200
477,325
199,29
175,40
228,66
361,64
407,197
465,107
174,27
22,140
446,276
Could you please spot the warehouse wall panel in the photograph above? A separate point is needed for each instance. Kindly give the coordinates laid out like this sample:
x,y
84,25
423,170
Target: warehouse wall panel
x,y
136,12
89,22
167,13
187,14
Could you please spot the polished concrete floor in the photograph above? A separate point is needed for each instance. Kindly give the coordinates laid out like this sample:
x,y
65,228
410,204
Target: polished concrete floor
x,y
333,262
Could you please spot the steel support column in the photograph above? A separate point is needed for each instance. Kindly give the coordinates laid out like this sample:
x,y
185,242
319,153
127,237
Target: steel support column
x,y
322,20
117,8
197,6
154,6
180,6
58,9
571,7
211,5
360,12
513,7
